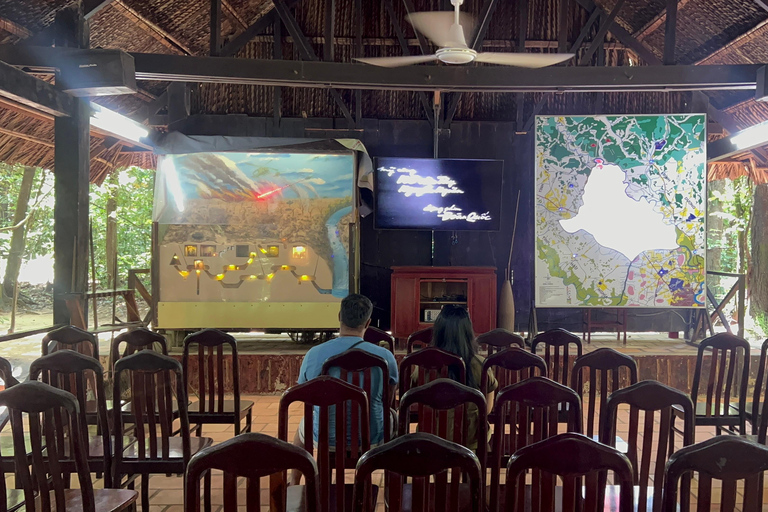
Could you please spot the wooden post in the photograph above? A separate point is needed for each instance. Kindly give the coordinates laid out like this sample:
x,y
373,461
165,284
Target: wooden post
x,y
72,173
215,43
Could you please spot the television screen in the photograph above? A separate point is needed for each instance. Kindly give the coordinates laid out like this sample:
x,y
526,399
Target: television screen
x,y
424,193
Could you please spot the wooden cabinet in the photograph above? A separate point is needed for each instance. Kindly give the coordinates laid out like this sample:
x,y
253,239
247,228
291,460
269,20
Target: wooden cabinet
x,y
418,293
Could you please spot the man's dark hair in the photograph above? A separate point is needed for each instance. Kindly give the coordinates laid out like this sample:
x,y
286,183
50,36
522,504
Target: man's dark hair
x,y
356,309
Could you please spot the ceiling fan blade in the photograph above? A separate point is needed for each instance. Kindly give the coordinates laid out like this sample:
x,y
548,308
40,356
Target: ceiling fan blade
x,y
524,60
439,27
396,62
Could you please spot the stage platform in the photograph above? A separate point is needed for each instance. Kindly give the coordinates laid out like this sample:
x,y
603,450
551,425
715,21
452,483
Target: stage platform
x,y
269,363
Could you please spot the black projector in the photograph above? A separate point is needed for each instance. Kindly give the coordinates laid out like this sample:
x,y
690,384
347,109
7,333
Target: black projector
x,y
97,73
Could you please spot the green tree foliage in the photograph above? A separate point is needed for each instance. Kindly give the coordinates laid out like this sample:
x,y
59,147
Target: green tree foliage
x,y
734,206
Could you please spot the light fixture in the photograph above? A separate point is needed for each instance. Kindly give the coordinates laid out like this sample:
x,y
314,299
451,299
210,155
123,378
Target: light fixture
x,y
751,137
112,122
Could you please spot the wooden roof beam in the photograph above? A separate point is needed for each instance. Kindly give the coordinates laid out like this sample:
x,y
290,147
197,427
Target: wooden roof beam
x,y
14,28
23,88
253,30
656,22
156,32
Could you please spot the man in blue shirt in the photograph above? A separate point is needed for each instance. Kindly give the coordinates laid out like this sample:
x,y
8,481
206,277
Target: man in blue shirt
x,y
354,319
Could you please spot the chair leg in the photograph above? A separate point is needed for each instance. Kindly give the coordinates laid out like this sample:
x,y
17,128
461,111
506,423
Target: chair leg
x,y
144,492
199,430
207,491
237,426
249,421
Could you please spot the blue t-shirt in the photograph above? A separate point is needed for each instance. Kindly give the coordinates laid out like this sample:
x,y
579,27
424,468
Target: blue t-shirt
x,y
312,366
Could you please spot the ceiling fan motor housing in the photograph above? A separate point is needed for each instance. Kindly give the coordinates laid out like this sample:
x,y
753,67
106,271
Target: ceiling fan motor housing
x,y
456,55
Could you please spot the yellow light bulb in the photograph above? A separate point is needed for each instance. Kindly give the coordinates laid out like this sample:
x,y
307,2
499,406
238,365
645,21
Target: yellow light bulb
x,y
184,273
219,277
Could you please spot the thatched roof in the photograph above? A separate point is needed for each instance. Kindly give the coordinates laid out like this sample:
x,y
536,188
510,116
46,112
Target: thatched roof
x,y
709,32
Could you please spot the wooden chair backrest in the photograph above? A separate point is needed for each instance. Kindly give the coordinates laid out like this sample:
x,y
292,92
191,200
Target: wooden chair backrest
x,y
726,458
760,393
6,373
512,365
658,439
376,336
526,413
331,396
54,428
250,456
211,377
131,342
418,340
71,337
499,339
433,363
419,456
572,457
604,370
725,379
443,402
152,379
69,371
355,366
557,352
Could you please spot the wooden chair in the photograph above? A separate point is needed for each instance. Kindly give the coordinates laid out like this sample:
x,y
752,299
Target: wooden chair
x,y
526,413
570,456
726,458
727,378
557,353
753,409
356,366
418,340
6,373
72,338
131,342
648,397
330,397
215,409
499,339
54,430
512,365
378,336
69,371
253,456
432,363
601,370
156,450
419,456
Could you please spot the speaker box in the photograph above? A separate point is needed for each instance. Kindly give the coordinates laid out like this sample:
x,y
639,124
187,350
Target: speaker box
x,y
98,73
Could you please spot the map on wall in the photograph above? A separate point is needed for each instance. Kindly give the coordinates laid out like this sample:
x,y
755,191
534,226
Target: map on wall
x,y
620,210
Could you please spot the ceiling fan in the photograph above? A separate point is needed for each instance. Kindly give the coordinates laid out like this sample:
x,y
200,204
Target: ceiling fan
x,y
447,30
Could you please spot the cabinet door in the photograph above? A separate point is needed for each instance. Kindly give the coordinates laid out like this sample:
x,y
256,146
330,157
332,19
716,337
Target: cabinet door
x,y
405,305
482,303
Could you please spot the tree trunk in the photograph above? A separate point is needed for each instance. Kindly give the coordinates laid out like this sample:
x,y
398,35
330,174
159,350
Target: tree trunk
x,y
714,228
111,236
18,239
758,273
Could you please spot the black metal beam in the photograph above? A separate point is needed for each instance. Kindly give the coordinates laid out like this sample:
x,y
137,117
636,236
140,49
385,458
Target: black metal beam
x,y
180,68
329,30
522,32
23,88
423,43
562,26
215,41
593,17
307,53
670,32
601,33
253,30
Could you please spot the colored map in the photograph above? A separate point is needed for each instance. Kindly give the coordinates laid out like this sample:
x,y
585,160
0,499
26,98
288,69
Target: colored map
x,y
620,211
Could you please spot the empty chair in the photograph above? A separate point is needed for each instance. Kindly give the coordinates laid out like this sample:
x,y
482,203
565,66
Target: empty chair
x,y
499,339
559,347
525,413
211,407
605,371
652,441
153,378
573,457
330,401
724,383
511,366
753,409
729,459
72,338
54,430
418,340
131,342
356,367
6,373
419,456
253,456
69,371
379,337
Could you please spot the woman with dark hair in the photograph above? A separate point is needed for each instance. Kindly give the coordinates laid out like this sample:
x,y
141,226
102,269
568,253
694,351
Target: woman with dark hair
x,y
453,333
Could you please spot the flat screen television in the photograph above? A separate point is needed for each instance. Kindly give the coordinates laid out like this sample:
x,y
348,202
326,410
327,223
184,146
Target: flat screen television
x,y
438,194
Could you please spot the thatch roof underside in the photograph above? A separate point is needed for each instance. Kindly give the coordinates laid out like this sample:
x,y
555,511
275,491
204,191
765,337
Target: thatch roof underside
x,y
708,32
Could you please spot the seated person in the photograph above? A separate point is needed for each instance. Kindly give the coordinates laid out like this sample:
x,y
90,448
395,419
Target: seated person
x,y
453,333
354,319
